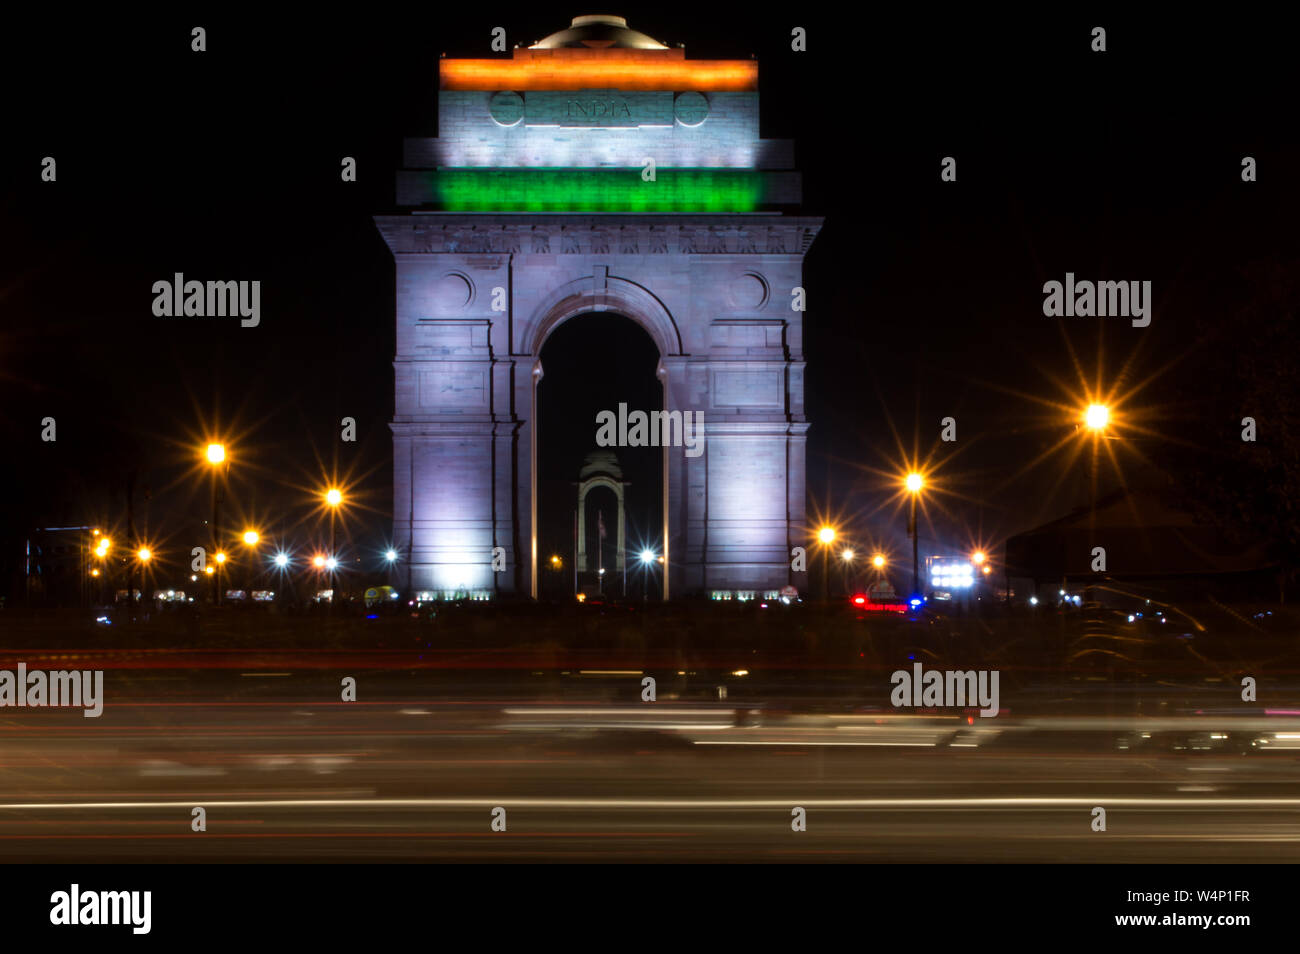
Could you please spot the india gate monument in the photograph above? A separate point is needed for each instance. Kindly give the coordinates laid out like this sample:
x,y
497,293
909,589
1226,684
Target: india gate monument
x,y
598,171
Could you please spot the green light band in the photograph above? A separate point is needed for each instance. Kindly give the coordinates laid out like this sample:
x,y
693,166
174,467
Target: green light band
x,y
596,190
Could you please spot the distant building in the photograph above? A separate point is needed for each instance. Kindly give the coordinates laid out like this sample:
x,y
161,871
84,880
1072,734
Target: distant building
x,y
58,563
1148,542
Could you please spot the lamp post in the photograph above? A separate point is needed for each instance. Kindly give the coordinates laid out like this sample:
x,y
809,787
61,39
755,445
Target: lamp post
x,y
333,499
914,483
825,536
131,538
317,562
220,558
102,546
143,555
282,575
216,457
647,561
1096,418
251,538
88,572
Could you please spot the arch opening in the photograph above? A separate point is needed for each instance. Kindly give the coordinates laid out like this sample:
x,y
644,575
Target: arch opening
x,y
594,362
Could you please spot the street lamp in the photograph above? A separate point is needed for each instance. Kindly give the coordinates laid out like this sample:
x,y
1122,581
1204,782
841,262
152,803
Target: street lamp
x,y
333,499
390,558
648,560
1096,417
216,457
220,557
102,545
847,555
320,562
825,536
251,538
914,483
878,561
143,555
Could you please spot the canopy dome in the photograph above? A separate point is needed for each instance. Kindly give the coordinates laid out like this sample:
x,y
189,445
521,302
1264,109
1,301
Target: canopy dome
x,y
599,33
601,463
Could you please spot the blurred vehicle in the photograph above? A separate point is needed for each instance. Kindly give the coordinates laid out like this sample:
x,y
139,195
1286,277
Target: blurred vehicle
x,y
879,598
380,596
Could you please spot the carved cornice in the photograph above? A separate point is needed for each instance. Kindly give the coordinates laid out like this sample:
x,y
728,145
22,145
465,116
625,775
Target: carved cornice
x,y
599,235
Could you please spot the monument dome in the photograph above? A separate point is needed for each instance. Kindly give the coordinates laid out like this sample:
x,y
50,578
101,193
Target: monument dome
x,y
602,462
599,33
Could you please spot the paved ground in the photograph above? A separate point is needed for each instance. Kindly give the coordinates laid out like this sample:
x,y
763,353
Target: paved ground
x,y
585,771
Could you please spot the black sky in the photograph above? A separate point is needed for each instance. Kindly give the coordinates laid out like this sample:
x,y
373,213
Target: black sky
x,y
924,297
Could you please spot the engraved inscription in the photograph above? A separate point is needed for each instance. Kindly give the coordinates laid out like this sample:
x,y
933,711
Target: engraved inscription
x,y
598,107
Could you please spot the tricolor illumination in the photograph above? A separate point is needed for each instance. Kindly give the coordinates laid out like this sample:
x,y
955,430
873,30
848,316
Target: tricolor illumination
x,y
596,190
600,69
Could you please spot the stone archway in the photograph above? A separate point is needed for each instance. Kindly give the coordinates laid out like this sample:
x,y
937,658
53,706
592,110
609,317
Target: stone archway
x,y
599,293
466,381
584,488
525,211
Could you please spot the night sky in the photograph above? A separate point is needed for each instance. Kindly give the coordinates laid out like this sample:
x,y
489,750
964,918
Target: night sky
x,y
925,298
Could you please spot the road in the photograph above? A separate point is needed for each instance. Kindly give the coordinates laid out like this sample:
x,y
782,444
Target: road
x,y
585,771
